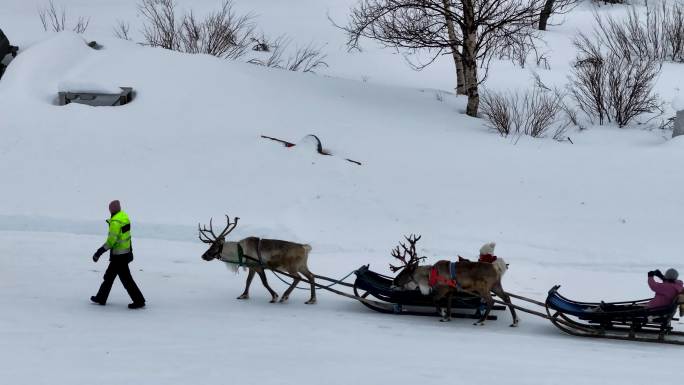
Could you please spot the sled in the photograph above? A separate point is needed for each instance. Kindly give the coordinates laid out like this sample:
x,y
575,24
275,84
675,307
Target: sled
x,y
411,302
628,320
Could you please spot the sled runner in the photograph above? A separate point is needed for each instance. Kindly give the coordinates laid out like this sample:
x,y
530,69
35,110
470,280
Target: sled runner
x,y
629,320
410,302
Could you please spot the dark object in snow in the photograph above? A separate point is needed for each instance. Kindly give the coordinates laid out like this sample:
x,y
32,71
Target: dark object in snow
x,y
6,49
93,44
678,124
411,302
97,99
317,142
629,320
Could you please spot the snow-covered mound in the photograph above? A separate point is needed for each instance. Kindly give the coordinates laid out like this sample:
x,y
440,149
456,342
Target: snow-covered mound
x,y
189,148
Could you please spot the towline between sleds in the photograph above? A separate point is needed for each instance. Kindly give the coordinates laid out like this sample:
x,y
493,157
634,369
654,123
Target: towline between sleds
x,y
626,321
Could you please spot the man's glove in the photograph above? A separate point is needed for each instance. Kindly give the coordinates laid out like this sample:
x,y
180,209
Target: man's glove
x,y
659,274
651,273
98,253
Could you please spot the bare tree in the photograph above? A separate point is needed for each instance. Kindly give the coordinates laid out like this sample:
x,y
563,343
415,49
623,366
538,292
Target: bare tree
x,y
480,29
423,25
55,20
555,7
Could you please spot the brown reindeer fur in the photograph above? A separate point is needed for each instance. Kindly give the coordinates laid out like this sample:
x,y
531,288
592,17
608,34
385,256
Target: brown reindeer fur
x,y
272,254
472,277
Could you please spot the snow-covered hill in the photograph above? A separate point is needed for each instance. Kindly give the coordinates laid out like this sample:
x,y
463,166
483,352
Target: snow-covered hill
x,y
594,215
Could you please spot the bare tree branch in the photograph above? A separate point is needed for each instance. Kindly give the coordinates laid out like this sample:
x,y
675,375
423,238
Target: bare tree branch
x,y
471,30
54,20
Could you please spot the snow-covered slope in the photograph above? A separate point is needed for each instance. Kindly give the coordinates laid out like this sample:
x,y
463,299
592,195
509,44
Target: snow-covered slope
x,y
594,215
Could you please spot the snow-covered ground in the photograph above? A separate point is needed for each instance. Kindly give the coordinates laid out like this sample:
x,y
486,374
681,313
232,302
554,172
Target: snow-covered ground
x,y
194,331
593,216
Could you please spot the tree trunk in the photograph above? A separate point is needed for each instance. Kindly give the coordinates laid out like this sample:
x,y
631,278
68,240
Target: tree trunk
x,y
460,75
458,62
545,14
469,57
470,72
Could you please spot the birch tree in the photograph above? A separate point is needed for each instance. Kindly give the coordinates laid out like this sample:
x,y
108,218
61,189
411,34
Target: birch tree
x,y
471,31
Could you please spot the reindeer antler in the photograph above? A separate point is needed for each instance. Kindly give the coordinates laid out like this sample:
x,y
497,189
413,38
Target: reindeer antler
x,y
402,251
207,235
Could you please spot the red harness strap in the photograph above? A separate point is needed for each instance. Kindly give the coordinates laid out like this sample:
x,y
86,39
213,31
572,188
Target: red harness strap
x,y
438,279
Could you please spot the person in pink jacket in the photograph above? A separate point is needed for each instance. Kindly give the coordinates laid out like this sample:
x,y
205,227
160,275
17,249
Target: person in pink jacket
x,y
666,291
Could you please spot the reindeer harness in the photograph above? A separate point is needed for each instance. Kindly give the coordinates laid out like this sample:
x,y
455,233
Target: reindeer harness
x,y
437,279
243,258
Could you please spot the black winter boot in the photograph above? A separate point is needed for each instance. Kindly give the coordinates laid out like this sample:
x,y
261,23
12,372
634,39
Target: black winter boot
x,y
136,305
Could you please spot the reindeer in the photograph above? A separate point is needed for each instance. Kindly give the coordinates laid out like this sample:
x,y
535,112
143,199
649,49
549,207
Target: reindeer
x,y
258,254
445,278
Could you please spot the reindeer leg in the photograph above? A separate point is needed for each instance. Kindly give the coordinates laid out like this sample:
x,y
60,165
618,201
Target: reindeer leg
x,y
499,291
250,276
449,297
447,316
438,295
274,295
294,284
490,302
310,277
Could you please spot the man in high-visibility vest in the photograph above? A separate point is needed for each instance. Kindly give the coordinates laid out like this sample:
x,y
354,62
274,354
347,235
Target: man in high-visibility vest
x,y
121,254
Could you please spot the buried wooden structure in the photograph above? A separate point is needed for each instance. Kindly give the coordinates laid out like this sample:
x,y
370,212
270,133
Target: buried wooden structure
x,y
98,99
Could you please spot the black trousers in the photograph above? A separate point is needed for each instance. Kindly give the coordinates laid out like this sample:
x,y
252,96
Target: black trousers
x,y
118,266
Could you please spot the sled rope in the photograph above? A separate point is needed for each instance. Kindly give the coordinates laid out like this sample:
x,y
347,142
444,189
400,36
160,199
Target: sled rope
x,y
334,282
328,288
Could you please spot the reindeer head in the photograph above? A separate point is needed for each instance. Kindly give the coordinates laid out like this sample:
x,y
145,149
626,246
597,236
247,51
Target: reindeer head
x,y
217,242
408,256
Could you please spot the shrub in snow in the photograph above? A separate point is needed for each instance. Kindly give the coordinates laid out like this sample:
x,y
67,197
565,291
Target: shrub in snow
x,y
55,20
657,34
304,59
222,34
612,86
121,30
537,112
